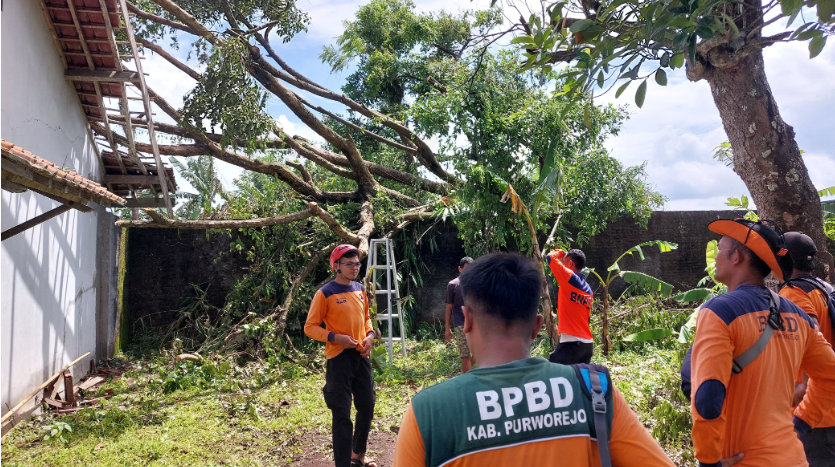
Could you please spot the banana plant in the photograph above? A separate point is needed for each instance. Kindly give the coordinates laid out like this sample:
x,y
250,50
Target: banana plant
x,y
631,277
688,330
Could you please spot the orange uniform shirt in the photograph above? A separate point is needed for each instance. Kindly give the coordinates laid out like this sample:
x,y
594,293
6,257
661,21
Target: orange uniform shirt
x,y
751,412
630,444
814,303
344,310
573,300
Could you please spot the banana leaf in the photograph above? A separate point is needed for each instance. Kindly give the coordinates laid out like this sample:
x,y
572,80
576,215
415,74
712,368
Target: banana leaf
x,y
689,328
663,246
378,356
648,282
693,295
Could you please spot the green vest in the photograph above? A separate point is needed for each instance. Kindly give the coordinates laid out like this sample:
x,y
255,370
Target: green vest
x,y
523,401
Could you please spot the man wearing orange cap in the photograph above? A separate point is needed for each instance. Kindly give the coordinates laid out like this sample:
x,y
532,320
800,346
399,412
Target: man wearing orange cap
x,y
348,335
750,345
812,295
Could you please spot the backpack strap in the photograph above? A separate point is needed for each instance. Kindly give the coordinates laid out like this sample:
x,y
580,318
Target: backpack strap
x,y
824,288
597,385
775,321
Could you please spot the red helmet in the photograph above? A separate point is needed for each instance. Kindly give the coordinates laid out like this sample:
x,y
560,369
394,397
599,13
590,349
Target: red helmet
x,y
338,252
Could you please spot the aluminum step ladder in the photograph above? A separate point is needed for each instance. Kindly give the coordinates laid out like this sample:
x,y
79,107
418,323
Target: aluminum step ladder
x,y
384,265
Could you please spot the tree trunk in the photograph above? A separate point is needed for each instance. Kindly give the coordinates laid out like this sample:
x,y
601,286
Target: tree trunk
x,y
766,155
605,338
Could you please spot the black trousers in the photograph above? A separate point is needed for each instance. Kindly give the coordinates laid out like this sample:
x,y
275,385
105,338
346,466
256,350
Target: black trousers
x,y
346,375
819,445
570,353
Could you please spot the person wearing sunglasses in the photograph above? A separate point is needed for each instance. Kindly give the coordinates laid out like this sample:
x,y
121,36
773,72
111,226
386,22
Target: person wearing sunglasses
x,y
348,335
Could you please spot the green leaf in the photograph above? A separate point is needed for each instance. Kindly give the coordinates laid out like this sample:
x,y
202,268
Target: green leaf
x,y
826,8
581,25
693,295
710,253
691,48
600,79
661,77
622,88
648,282
648,335
744,201
789,7
522,40
641,94
677,61
816,46
378,356
827,192
689,327
730,23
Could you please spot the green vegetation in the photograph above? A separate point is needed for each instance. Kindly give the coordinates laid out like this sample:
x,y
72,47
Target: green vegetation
x,y
271,412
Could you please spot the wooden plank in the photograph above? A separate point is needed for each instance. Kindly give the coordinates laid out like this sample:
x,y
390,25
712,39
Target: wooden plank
x,y
52,32
148,110
63,192
102,76
39,388
54,403
90,383
9,233
145,203
69,392
132,179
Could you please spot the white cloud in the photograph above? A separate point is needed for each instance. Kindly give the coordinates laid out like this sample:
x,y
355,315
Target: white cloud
x,y
286,125
678,127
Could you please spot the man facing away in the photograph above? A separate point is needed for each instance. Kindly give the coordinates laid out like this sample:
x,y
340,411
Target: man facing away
x,y
454,302
745,417
514,409
809,293
573,307
348,335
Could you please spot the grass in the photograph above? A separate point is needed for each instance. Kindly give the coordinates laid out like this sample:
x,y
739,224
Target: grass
x,y
270,413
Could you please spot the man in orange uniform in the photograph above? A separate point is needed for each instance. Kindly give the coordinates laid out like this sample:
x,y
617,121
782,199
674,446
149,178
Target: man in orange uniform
x,y
348,335
806,291
573,306
514,409
742,401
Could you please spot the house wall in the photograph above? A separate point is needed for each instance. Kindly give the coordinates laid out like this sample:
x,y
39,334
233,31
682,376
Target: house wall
x,y
49,272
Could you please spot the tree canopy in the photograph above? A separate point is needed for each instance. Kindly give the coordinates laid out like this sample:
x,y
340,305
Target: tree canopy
x,y
438,124
612,43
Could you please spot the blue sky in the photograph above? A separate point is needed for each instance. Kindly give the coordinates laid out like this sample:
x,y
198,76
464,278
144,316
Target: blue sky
x,y
674,133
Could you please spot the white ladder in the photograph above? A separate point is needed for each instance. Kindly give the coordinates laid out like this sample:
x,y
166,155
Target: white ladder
x,y
378,264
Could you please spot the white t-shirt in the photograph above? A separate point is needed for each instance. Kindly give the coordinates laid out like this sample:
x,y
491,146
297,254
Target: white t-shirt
x,y
567,338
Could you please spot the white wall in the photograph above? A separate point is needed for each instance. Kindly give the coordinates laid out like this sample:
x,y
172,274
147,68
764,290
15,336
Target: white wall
x,y
49,271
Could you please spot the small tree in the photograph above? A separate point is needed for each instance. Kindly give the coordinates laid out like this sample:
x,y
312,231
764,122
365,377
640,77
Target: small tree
x,y
631,277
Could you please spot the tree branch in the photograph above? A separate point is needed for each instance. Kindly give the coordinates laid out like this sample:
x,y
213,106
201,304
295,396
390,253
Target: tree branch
x,y
158,19
162,53
160,221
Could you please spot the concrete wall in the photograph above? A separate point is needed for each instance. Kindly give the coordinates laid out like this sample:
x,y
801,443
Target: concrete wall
x,y
163,263
49,272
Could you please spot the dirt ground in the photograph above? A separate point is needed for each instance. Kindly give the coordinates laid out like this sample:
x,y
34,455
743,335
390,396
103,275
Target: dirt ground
x,y
317,450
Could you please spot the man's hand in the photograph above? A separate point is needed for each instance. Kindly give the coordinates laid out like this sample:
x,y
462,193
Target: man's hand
x,y
448,335
367,344
732,460
347,342
799,393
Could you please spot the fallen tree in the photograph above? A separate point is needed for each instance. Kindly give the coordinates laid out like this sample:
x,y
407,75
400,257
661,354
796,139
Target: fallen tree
x,y
373,171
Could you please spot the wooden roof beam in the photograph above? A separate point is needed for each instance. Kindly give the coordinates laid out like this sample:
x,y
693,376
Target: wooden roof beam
x,y
102,76
147,105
